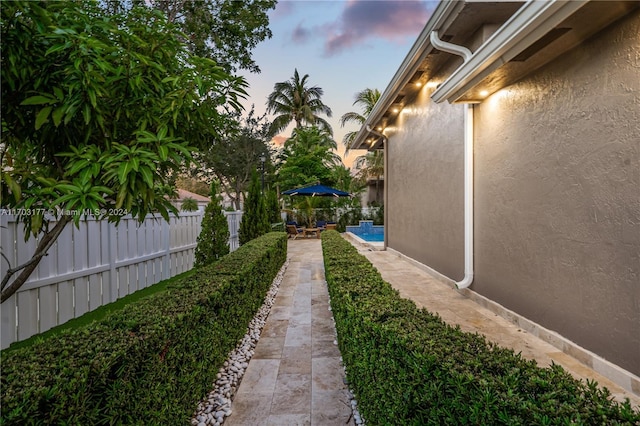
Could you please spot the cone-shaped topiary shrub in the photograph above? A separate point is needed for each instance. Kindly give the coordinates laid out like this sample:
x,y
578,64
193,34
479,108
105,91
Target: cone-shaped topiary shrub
x,y
255,221
213,241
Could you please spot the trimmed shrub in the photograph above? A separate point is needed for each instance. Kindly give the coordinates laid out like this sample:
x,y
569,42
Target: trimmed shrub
x,y
255,219
150,362
213,241
408,367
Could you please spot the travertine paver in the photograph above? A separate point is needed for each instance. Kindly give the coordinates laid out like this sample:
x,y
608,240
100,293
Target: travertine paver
x,y
295,376
454,308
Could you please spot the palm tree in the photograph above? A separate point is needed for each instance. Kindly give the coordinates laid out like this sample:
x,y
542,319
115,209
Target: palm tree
x,y
292,100
314,142
367,99
308,157
373,168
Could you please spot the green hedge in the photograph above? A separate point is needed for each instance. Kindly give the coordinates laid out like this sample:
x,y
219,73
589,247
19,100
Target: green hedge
x,y
407,367
150,362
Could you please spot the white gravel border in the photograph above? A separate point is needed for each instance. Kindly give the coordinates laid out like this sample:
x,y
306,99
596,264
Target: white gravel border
x,y
213,409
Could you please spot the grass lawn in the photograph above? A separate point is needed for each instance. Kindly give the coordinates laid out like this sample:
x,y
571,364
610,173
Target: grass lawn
x,y
100,312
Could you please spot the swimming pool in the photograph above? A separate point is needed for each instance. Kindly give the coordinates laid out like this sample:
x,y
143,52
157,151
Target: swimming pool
x,y
371,238
367,231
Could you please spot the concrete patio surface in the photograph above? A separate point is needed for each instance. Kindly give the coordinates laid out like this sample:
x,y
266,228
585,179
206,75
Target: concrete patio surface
x,y
296,377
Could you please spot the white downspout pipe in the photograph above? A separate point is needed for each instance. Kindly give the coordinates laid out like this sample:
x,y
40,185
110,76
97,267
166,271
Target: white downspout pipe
x,y
468,198
468,165
449,47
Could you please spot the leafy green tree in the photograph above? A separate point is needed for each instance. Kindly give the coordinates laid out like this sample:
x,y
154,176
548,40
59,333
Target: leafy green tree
x,y
96,115
293,100
308,157
255,220
233,155
367,100
223,30
213,241
342,179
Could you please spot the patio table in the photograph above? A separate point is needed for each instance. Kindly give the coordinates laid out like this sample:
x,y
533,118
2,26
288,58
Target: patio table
x,y
311,231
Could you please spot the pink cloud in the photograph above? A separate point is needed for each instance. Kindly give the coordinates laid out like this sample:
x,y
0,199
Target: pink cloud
x,y
362,20
282,10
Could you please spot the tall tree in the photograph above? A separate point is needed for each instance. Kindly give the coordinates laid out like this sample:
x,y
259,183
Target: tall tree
x,y
223,30
255,219
367,99
294,100
96,112
342,178
273,207
234,154
308,157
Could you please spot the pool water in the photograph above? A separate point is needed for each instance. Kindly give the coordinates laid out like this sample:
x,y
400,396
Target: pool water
x,y
367,231
371,238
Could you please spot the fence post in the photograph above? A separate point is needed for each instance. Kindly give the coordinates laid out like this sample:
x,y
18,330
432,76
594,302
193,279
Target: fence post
x,y
8,310
113,257
166,244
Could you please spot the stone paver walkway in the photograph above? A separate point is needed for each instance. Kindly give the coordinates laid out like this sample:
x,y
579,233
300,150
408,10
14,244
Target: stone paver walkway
x,y
295,376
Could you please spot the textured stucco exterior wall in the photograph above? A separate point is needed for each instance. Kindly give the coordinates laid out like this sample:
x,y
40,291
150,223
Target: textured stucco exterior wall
x,y
557,199
424,210
557,193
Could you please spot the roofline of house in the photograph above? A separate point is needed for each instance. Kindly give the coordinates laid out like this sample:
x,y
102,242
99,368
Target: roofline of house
x,y
532,21
440,19
528,24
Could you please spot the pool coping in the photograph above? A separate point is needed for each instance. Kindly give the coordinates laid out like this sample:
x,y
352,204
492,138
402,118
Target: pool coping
x,y
371,245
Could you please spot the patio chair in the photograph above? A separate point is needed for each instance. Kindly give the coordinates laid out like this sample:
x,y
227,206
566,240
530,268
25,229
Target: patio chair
x,y
294,231
321,224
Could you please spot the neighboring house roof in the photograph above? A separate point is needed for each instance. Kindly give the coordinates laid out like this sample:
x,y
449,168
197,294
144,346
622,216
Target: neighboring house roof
x,y
183,193
496,43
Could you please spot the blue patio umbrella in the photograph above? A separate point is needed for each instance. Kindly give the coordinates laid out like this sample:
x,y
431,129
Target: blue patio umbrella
x,y
317,191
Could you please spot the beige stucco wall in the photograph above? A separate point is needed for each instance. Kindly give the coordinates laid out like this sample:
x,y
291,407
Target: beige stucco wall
x,y
557,193
424,209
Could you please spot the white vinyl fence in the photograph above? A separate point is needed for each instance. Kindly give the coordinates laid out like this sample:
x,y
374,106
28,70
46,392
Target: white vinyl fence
x,y
233,219
93,265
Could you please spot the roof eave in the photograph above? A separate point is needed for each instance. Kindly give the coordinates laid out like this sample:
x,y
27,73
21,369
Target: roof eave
x,y
492,65
531,21
440,19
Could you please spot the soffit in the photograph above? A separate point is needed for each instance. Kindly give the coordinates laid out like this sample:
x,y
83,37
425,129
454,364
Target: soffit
x,y
584,23
470,26
459,27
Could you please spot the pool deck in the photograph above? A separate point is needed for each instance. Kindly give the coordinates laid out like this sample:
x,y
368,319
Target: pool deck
x,y
456,308
359,242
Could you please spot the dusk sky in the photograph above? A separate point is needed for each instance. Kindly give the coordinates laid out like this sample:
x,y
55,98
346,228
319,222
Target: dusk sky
x,y
344,46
